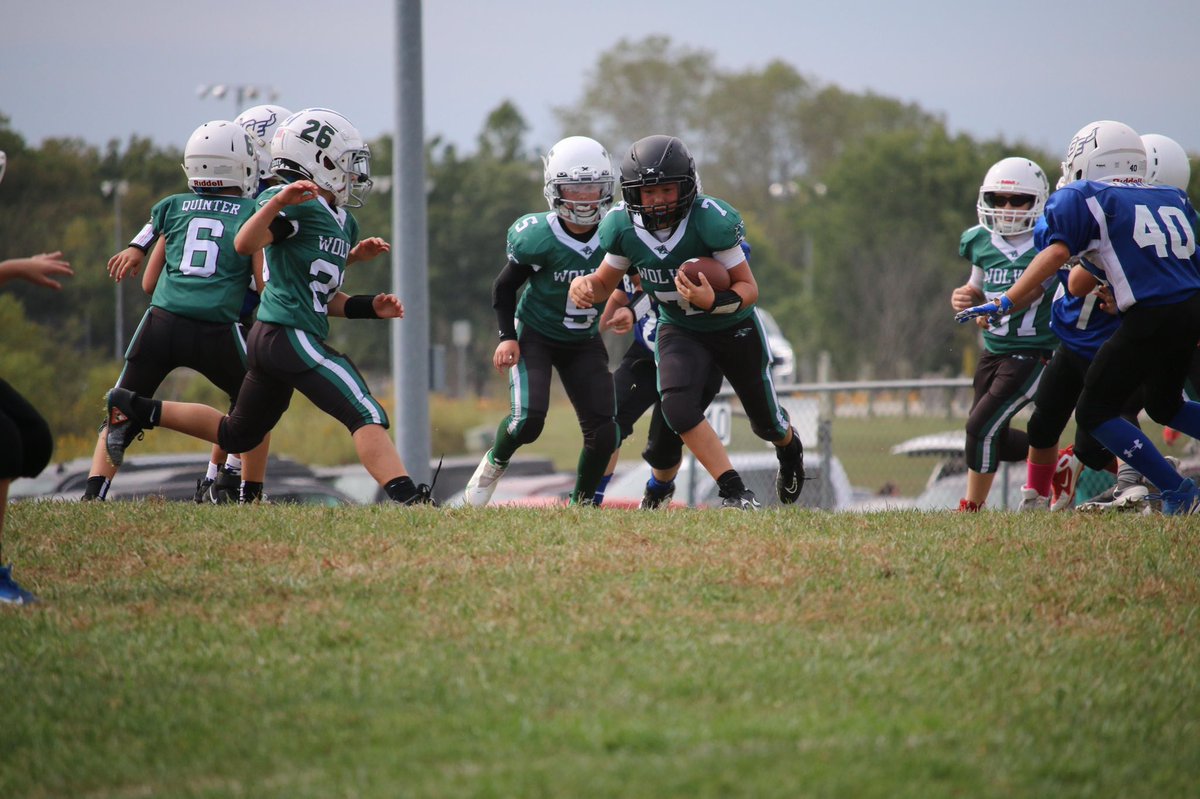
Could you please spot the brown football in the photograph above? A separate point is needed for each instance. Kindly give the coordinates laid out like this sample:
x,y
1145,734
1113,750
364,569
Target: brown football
x,y
711,268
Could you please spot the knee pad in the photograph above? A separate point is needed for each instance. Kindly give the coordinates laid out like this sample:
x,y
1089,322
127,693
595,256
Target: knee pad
x,y
664,452
1041,432
601,437
680,410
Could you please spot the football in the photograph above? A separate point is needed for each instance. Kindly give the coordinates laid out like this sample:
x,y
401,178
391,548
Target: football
x,y
711,268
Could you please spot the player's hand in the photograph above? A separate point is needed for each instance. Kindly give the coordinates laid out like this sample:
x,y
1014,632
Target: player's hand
x,y
582,292
295,193
616,321
700,296
964,297
1107,302
994,311
38,269
387,306
126,263
506,355
367,249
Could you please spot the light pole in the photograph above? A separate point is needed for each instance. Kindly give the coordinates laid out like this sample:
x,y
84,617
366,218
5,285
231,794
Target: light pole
x,y
116,189
239,92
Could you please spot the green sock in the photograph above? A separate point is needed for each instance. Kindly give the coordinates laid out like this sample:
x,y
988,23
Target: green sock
x,y
505,444
588,473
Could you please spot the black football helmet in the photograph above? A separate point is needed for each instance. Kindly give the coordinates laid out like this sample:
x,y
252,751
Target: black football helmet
x,y
652,161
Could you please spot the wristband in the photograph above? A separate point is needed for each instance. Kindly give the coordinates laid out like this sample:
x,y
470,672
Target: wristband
x,y
360,306
727,301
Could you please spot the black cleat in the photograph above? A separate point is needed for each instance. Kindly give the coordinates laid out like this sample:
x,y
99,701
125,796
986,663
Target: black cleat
x,y
789,480
226,489
424,496
202,486
743,500
121,429
653,501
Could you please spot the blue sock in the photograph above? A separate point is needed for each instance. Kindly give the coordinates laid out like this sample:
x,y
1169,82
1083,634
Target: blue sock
x,y
1134,447
1187,419
658,489
598,497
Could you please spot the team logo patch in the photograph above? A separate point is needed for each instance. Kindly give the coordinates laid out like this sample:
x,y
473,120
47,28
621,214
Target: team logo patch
x,y
258,127
116,417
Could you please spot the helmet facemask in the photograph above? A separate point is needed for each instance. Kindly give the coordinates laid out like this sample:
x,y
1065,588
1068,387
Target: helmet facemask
x,y
660,216
583,167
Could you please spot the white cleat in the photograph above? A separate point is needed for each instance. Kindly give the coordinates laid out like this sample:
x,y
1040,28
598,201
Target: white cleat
x,y
482,484
1032,501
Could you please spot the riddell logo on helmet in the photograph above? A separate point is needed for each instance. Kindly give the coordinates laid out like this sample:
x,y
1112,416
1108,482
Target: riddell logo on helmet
x,y
202,183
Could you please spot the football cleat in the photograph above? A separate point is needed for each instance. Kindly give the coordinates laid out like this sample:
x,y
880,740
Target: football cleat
x,y
1183,501
424,496
10,592
226,489
1031,500
789,480
1129,493
482,484
652,500
202,486
1065,480
743,500
967,506
121,429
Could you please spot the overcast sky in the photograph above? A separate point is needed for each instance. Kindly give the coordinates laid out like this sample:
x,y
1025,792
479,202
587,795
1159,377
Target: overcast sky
x,y
1020,70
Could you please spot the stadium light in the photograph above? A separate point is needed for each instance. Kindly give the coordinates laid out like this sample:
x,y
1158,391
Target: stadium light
x,y
240,92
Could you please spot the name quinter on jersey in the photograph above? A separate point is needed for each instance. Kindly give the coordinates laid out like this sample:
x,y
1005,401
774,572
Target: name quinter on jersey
x,y
211,206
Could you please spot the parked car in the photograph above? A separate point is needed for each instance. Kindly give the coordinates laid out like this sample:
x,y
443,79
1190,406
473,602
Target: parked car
x,y
757,470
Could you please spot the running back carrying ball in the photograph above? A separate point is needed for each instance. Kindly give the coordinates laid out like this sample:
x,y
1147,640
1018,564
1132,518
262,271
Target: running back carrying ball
x,y
711,268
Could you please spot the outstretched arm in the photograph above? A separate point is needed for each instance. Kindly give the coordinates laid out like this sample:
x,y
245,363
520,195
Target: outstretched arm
x,y
256,233
37,269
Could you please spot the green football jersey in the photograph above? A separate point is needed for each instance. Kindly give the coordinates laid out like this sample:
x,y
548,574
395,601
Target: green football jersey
x,y
203,277
996,263
711,225
305,270
540,242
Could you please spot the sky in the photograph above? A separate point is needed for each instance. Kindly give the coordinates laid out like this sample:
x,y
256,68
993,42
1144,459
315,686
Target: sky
x,y
1023,71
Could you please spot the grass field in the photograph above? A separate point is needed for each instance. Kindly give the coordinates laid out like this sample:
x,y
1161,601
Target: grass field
x,y
298,652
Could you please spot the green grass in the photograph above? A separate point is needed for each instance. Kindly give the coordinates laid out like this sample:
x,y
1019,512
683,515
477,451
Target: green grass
x,y
294,652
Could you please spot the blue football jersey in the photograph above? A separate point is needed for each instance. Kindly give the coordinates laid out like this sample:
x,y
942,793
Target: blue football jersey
x,y
1079,322
1140,237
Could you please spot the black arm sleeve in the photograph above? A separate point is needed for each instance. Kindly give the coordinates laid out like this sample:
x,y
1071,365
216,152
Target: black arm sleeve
x,y
281,228
504,297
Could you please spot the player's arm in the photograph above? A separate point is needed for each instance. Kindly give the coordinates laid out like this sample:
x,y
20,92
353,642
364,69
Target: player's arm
x,y
366,306
154,267
504,303
256,267
37,269
588,290
129,260
367,249
1081,282
969,293
266,226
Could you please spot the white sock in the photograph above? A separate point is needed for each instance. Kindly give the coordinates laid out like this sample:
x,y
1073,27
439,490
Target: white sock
x,y
211,474
233,463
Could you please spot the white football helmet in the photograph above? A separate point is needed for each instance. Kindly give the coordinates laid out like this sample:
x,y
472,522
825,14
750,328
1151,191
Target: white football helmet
x,y
1012,176
1105,150
1166,162
579,161
260,122
322,146
3,164
220,155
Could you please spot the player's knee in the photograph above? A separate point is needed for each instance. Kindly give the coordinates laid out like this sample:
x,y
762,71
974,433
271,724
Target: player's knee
x,y
1163,409
531,428
1042,434
680,410
664,453
601,436
236,435
37,446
